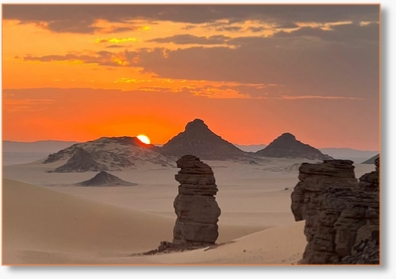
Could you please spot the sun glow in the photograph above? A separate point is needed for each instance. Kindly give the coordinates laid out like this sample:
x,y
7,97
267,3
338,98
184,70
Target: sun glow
x,y
144,139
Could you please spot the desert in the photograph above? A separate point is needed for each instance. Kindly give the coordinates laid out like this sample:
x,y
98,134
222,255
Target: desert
x,y
51,218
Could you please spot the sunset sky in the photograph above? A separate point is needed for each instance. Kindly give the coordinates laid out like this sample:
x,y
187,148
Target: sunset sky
x,y
251,72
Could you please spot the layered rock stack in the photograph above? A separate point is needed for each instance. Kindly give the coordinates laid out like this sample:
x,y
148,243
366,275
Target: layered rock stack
x,y
342,214
361,246
195,205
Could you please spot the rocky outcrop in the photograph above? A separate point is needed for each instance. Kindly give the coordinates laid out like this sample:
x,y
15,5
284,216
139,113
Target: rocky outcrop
x,y
287,146
341,213
371,160
197,139
314,178
360,245
81,161
195,205
105,179
108,154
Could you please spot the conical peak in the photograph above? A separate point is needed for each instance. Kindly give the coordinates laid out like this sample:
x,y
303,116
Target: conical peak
x,y
287,136
103,174
196,124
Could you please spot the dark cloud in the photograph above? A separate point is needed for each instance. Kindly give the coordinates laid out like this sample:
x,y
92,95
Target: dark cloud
x,y
302,67
343,61
308,37
103,58
334,70
79,18
342,33
191,39
287,24
229,28
72,26
222,26
257,29
189,27
120,29
79,26
116,46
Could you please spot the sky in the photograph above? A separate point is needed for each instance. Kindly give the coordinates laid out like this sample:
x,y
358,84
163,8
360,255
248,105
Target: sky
x,y
251,72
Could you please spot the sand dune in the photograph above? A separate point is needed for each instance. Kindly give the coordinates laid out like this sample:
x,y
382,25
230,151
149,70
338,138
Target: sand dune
x,y
56,223
42,226
281,245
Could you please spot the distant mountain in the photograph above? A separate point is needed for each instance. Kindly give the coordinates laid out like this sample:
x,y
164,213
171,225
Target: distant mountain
x,y
108,154
16,158
371,160
15,152
287,146
105,179
81,161
355,155
197,139
44,146
251,148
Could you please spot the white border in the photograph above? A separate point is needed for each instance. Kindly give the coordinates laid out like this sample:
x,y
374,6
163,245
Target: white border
x,y
388,270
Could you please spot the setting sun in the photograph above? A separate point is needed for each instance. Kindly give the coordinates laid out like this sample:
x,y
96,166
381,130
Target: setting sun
x,y
144,139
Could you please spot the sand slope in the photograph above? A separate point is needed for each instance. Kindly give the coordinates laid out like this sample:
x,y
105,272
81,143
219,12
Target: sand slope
x,y
60,224
41,226
280,245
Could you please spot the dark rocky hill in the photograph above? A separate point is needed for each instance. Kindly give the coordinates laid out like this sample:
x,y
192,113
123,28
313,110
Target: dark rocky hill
x,y
287,146
105,179
81,161
108,154
198,140
371,160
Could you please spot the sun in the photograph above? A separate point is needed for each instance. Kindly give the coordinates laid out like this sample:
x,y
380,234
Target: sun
x,y
144,139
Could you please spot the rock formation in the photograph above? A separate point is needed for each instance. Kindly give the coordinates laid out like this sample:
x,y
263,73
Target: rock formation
x,y
197,139
361,245
371,160
287,146
341,214
195,205
105,179
108,154
81,161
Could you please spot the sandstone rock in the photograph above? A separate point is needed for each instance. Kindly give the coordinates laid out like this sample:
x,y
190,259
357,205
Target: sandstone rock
x,y
314,178
195,205
340,212
365,252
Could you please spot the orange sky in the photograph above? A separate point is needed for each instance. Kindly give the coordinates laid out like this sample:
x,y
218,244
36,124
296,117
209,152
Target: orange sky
x,y
253,73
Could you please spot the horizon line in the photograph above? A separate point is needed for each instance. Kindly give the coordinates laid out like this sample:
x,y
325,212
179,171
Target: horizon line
x,y
160,144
